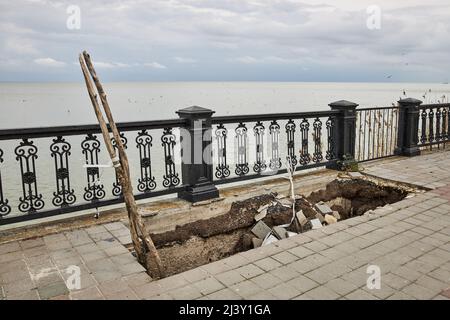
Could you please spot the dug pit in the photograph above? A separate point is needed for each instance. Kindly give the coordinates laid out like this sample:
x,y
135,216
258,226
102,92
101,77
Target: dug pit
x,y
200,242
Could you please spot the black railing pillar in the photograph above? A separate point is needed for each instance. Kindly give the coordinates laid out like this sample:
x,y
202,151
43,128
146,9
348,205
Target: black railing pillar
x,y
344,131
196,155
408,126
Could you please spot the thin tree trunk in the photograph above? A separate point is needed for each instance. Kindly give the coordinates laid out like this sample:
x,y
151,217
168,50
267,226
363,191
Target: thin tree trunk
x,y
145,250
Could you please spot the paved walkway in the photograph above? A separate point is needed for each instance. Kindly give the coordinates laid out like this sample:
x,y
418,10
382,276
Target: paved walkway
x,y
408,241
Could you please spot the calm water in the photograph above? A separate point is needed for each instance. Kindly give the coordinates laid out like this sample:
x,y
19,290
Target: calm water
x,y
54,104
49,104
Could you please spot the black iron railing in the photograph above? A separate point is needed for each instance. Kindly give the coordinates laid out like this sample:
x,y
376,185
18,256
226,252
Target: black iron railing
x,y
56,170
54,148
376,133
260,144
434,125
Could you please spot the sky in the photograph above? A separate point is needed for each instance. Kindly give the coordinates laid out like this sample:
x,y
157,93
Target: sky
x,y
227,40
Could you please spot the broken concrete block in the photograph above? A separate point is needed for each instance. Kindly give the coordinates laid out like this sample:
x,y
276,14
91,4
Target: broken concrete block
x,y
315,224
291,234
280,232
320,217
280,196
336,215
270,239
261,230
301,218
261,215
323,208
146,213
257,242
329,219
264,207
355,174
286,202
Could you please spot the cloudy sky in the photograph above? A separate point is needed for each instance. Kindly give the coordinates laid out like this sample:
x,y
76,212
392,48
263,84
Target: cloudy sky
x,y
226,40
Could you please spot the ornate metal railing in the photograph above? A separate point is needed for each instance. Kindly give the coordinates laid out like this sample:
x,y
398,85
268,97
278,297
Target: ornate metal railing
x,y
434,125
376,133
315,133
252,146
49,171
43,159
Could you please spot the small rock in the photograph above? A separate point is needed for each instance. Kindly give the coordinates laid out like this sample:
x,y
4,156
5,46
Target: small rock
x,y
261,215
323,208
286,202
355,174
146,213
301,218
280,232
280,196
320,217
264,207
315,224
329,219
336,215
257,242
261,230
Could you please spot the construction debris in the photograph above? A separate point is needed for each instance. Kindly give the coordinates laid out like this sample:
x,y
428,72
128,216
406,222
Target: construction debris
x,y
336,215
320,217
315,224
355,174
329,219
280,232
323,208
301,218
261,230
261,215
257,242
270,239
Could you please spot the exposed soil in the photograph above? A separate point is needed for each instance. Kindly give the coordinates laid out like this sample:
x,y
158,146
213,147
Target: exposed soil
x,y
204,241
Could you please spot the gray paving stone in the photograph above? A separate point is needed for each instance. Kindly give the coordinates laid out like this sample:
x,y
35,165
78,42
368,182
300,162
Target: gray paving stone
x,y
52,289
322,293
341,287
418,292
189,292
224,294
285,257
230,277
302,283
245,289
249,271
267,264
87,294
284,291
266,281
208,285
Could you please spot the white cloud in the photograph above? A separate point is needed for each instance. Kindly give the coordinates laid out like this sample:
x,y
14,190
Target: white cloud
x,y
49,62
184,60
268,60
155,65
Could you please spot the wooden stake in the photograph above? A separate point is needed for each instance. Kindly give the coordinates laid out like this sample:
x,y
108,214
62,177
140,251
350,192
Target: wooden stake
x,y
145,250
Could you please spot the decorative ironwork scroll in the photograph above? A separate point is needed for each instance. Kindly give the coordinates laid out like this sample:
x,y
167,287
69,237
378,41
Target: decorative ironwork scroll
x,y
60,152
222,169
275,160
305,157
117,188
26,154
329,155
241,144
146,182
5,209
290,133
317,126
260,164
94,191
170,178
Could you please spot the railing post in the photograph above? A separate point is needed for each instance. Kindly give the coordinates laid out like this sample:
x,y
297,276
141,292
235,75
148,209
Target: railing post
x,y
344,133
196,157
408,126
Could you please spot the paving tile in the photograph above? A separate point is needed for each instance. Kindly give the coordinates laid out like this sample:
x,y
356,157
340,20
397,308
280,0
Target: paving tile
x,y
249,271
302,283
267,264
341,287
9,247
284,291
230,277
208,285
266,280
360,295
52,289
224,294
322,293
245,288
285,257
195,275
122,295
27,295
418,292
